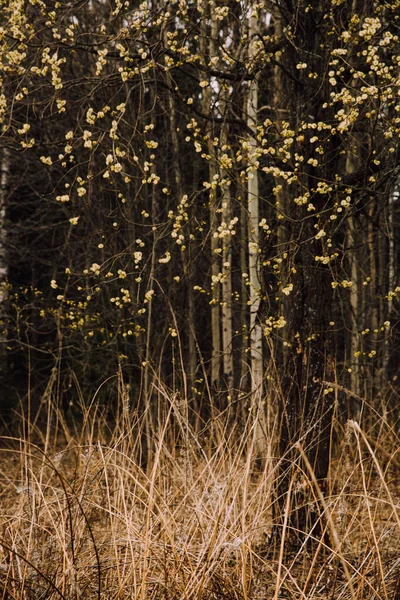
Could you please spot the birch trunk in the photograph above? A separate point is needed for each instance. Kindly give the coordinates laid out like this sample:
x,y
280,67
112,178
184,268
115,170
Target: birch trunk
x,y
226,304
215,259
256,356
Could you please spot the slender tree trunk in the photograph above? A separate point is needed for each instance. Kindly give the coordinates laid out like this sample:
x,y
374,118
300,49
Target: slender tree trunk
x,y
356,300
5,166
373,251
215,301
191,355
256,350
244,312
227,333
150,409
191,359
359,295
210,37
226,303
391,274
383,275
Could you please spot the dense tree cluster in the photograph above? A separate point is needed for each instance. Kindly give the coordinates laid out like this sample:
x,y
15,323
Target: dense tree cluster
x,y
206,194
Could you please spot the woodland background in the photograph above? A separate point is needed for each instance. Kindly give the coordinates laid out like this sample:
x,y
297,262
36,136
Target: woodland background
x,y
199,243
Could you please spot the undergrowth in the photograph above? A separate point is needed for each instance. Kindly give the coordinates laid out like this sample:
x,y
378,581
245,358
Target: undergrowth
x,y
174,511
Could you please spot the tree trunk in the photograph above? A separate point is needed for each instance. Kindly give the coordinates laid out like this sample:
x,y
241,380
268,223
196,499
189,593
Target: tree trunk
x,y
391,277
226,304
256,352
305,289
210,39
356,301
190,354
4,183
244,313
307,413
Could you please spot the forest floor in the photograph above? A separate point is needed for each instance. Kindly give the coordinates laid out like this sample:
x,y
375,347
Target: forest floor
x,y
83,515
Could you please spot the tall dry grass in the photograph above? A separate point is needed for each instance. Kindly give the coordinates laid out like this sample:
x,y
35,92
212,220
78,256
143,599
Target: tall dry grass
x,y
89,510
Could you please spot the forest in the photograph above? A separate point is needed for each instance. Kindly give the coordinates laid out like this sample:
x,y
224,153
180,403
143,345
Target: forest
x,y
199,299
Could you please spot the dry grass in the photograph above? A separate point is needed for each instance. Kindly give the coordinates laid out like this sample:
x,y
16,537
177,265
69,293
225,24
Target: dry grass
x,y
83,515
